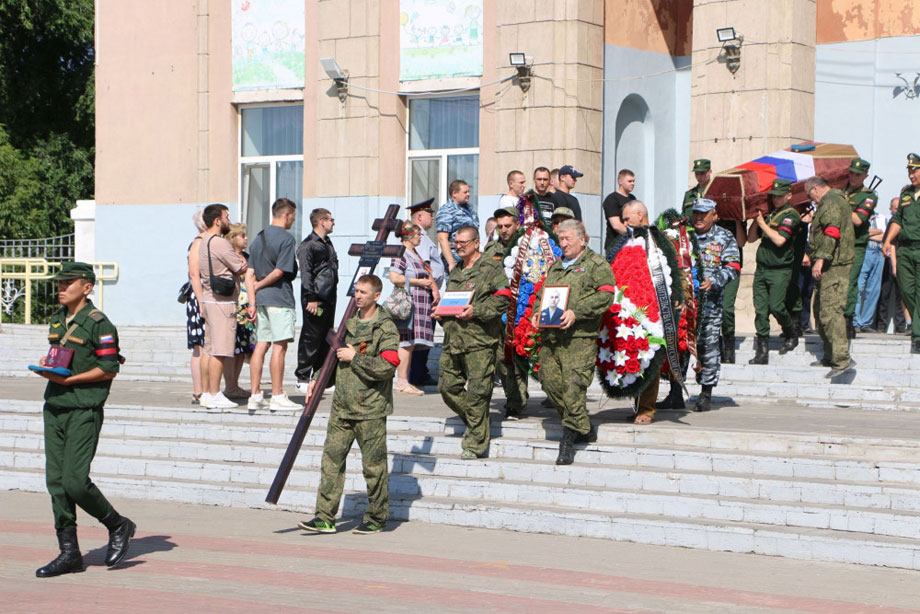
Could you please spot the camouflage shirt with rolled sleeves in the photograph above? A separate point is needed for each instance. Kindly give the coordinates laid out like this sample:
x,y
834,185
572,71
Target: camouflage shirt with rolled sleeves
x,y
786,222
591,293
719,257
491,295
94,341
862,201
495,250
908,217
832,238
364,386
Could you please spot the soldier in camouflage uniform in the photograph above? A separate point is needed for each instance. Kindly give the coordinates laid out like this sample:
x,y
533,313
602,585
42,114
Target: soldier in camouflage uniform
x,y
513,379
362,401
721,262
467,362
775,262
905,229
702,169
832,246
569,353
862,201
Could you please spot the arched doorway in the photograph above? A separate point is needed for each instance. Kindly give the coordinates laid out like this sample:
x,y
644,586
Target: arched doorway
x,y
635,147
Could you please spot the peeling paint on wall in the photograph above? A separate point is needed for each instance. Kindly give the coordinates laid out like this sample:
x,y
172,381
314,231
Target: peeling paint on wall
x,y
665,26
853,20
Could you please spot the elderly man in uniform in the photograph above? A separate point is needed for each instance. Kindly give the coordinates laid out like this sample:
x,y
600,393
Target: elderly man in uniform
x,y
862,201
467,362
514,381
775,260
569,352
73,418
905,228
832,245
423,217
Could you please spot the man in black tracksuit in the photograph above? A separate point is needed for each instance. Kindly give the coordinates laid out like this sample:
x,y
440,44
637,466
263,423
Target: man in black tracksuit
x,y
319,271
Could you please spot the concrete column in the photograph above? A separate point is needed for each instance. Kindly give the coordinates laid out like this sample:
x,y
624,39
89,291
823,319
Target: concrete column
x,y
84,230
203,90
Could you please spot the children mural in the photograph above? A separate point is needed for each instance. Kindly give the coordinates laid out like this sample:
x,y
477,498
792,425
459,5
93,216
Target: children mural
x,y
440,39
268,44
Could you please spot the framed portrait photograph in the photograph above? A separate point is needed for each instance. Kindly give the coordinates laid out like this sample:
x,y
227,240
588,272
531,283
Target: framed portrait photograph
x,y
362,271
453,303
555,302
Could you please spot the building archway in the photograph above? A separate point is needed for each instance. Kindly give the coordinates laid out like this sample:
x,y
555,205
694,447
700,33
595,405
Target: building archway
x,y
635,146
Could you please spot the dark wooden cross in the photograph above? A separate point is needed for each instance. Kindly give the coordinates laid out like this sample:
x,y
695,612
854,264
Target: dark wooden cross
x,y
370,253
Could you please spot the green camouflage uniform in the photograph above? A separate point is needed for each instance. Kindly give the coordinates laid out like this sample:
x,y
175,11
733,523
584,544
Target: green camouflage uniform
x,y
793,296
832,240
467,362
908,254
862,202
73,414
774,273
567,357
690,196
362,401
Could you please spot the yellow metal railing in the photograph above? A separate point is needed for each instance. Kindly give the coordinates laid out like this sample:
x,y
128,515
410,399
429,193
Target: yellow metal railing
x,y
30,270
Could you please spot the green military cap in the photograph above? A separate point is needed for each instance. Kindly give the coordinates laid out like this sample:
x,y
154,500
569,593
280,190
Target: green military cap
x,y
780,187
913,161
858,165
76,270
702,165
563,212
506,211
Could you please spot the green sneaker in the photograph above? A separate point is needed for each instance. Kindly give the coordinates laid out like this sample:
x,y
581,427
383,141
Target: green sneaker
x,y
317,526
369,527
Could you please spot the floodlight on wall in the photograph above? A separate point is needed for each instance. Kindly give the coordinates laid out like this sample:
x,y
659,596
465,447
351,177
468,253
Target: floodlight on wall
x,y
339,76
524,65
731,48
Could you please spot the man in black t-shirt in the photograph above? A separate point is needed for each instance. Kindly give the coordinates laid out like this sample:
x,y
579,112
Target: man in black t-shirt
x,y
567,178
542,189
613,206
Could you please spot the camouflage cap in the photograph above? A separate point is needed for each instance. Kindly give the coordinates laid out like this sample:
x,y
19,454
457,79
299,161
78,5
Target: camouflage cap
x,y
780,187
858,165
702,165
913,161
76,270
704,205
563,212
505,212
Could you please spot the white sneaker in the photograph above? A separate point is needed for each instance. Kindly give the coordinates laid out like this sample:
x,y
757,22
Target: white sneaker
x,y
257,402
282,402
219,401
302,387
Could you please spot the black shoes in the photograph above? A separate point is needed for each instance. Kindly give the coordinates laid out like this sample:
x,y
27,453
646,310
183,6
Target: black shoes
x,y
797,328
674,400
514,414
915,347
789,344
761,351
589,437
68,561
704,400
567,447
121,530
836,372
728,351
851,330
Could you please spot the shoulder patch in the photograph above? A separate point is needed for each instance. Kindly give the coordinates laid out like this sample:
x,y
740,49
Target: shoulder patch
x,y
96,316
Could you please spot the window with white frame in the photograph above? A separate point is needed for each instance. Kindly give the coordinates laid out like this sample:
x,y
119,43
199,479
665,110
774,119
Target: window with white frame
x,y
271,162
443,146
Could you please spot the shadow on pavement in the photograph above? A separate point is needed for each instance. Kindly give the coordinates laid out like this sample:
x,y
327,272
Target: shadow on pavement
x,y
140,546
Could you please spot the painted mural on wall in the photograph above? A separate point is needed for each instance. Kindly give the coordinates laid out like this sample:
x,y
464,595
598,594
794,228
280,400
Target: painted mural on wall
x,y
440,39
268,44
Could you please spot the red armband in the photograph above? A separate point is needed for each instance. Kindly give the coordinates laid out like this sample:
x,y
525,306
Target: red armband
x,y
503,292
833,232
607,288
391,357
106,352
863,211
734,265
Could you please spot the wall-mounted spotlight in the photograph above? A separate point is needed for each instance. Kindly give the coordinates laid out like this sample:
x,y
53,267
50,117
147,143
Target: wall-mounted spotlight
x,y
524,65
731,47
339,76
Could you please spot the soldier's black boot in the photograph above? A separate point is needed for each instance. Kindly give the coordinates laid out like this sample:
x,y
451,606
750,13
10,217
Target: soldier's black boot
x,y
589,437
728,345
674,400
121,530
704,399
797,329
68,561
851,330
567,447
761,351
789,344
915,347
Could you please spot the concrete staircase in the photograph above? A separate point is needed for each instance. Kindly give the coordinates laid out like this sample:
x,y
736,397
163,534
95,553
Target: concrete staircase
x,y
833,498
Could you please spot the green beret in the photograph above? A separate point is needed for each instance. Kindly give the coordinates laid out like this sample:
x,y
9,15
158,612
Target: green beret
x,y
702,165
858,165
76,270
913,161
780,187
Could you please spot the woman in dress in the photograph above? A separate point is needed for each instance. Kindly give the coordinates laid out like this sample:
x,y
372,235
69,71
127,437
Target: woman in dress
x,y
419,330
194,322
244,325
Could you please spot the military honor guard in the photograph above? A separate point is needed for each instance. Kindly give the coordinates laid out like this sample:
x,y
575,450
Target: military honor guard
x,y
775,260
702,169
862,201
362,401
471,338
82,362
905,228
832,245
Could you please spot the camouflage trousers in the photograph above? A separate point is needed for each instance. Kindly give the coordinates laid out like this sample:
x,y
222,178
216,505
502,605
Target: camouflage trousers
x,y
708,340
465,383
372,440
830,303
514,380
566,370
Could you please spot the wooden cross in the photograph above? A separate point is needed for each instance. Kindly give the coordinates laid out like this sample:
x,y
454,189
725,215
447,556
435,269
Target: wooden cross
x,y
370,253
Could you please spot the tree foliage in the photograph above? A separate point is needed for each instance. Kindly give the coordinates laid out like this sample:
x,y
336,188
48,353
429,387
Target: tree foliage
x,y
46,114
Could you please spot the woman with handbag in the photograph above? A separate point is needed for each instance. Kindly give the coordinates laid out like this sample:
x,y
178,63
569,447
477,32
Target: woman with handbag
x,y
192,292
413,274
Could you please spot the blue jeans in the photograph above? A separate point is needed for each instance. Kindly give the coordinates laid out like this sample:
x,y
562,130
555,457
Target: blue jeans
x,y
870,286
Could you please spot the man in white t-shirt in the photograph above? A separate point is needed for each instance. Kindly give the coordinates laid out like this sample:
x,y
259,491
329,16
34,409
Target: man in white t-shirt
x,y
515,190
